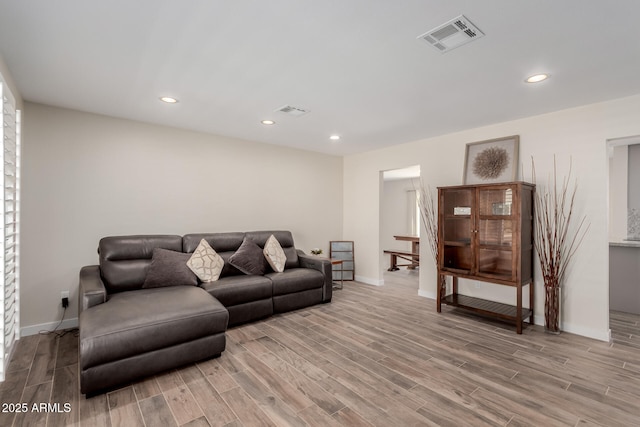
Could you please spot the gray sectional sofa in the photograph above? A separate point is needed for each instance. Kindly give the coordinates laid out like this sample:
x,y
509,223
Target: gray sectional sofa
x,y
129,330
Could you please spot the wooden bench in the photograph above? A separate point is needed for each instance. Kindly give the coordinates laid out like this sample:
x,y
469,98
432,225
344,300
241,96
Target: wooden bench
x,y
413,258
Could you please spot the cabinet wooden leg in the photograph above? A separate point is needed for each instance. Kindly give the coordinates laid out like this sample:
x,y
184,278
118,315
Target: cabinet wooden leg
x,y
455,288
439,292
519,309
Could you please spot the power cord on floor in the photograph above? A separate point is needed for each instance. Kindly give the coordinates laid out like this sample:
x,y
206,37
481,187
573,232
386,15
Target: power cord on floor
x,y
54,331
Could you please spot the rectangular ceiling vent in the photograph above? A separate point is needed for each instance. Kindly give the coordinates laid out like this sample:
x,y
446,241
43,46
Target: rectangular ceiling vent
x,y
292,111
452,34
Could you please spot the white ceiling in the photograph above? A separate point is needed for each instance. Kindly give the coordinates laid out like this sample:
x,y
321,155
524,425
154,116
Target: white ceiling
x,y
357,65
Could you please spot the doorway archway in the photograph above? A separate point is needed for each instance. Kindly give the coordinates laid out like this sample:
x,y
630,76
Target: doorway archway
x,y
399,216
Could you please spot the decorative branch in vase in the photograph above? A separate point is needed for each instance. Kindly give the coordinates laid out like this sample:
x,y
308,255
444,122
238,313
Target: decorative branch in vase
x,y
555,239
429,216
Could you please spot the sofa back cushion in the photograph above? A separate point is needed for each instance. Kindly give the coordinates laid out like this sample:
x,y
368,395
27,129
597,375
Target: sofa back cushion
x,y
226,244
124,260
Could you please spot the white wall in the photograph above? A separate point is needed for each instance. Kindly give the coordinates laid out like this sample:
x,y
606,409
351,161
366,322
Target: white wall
x,y
395,215
634,177
579,134
87,176
618,184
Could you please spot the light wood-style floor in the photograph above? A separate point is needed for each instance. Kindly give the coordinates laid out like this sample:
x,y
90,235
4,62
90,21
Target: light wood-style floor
x,y
377,356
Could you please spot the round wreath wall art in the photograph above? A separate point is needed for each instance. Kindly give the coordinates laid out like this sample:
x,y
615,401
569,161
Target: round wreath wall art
x,y
491,162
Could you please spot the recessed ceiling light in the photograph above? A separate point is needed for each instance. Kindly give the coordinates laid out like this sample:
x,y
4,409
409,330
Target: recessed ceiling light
x,y
334,137
268,122
168,99
537,78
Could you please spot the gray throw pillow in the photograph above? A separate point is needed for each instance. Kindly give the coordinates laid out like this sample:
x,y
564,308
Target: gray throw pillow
x,y
169,268
249,258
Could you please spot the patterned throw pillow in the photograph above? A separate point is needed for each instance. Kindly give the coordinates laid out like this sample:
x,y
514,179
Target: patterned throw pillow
x,y
274,254
206,263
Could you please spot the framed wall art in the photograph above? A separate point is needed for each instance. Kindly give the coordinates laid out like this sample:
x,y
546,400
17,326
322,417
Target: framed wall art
x,y
491,161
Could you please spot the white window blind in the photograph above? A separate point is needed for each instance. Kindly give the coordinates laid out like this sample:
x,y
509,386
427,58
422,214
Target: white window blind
x,y
10,214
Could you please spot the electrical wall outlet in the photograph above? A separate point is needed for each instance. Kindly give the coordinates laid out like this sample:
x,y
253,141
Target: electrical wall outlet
x,y
64,299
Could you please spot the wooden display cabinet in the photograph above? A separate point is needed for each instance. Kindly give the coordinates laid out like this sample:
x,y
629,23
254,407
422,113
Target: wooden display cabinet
x,y
485,232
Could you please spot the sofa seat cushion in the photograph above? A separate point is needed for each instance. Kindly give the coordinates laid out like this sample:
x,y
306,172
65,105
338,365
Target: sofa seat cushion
x,y
295,280
234,290
138,322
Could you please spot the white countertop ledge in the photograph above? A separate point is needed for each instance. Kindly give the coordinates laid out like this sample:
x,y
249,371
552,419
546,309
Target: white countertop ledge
x,y
625,243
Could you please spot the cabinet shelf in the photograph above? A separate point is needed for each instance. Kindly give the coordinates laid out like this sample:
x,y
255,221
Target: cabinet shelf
x,y
495,246
497,274
486,307
457,242
459,271
495,217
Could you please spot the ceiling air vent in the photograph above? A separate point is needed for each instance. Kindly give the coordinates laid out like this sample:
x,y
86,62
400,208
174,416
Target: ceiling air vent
x,y
292,111
452,34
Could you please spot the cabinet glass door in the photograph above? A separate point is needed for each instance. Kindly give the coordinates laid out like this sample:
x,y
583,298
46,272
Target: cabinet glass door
x,y
496,232
457,229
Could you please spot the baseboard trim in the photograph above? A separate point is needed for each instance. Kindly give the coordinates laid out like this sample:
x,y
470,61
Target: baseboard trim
x,y
585,332
369,281
73,323
426,294
36,329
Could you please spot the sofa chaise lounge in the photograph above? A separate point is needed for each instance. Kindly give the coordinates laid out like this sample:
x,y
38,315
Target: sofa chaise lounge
x,y
129,330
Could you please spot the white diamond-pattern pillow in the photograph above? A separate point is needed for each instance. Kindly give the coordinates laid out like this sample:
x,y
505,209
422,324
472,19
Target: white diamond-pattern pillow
x,y
206,263
274,254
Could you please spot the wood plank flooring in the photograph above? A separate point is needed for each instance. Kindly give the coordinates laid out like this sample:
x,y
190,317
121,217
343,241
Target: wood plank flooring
x,y
375,356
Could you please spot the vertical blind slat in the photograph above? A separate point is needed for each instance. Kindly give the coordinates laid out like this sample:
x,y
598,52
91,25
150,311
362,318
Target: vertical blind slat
x,y
9,223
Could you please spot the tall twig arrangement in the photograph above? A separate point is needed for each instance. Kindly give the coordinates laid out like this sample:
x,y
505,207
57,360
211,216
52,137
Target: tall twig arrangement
x,y
429,216
555,240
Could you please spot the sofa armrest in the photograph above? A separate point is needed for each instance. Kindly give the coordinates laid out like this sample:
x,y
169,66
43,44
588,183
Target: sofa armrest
x,y
323,265
92,290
